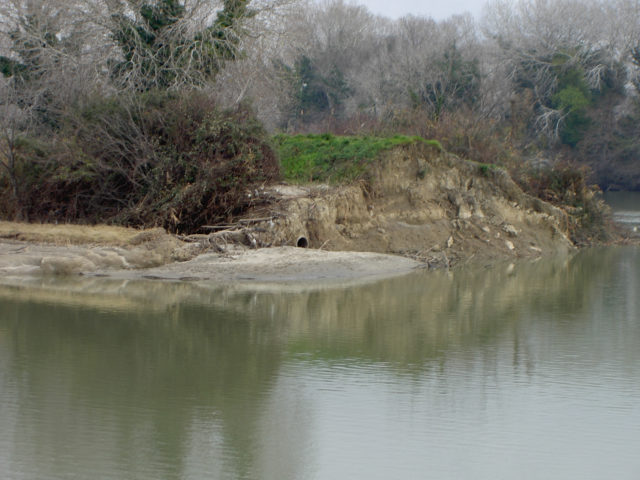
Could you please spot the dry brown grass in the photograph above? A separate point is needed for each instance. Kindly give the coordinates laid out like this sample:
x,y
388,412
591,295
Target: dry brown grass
x,y
67,234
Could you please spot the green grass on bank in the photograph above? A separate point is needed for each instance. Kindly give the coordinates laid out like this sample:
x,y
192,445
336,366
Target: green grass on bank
x,y
333,159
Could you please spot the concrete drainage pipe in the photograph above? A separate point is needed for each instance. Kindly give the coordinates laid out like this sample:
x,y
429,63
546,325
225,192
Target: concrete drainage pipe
x,y
302,242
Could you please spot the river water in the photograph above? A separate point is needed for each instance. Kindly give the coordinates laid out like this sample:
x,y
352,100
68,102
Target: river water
x,y
524,370
626,207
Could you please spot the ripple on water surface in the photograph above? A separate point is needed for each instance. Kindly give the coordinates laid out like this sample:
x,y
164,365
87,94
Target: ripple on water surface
x,y
528,371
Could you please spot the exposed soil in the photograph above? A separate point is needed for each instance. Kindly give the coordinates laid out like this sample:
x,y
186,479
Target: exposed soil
x,y
417,203
431,208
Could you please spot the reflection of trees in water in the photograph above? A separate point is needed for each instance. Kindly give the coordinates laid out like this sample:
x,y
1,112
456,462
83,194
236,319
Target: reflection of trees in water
x,y
411,319
150,383
173,369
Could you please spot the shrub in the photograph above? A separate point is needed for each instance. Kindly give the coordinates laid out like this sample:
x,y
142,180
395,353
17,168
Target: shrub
x,y
565,185
177,161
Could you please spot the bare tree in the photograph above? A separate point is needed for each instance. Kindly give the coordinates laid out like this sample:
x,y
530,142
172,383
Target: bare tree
x,y
270,40
14,121
540,40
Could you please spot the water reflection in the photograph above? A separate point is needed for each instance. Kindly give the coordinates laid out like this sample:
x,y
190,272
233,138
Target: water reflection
x,y
136,387
625,206
450,372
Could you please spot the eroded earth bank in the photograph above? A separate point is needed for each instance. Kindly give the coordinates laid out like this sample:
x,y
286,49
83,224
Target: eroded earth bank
x,y
415,207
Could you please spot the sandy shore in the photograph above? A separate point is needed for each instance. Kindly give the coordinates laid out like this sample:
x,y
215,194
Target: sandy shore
x,y
280,264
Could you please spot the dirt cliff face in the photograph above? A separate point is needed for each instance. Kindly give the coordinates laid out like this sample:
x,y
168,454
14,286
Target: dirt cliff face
x,y
420,203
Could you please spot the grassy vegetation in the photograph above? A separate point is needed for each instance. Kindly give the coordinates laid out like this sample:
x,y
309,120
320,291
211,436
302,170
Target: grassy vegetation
x,y
334,159
68,234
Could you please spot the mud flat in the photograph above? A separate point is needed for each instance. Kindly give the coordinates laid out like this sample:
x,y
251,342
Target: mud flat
x,y
280,264
28,250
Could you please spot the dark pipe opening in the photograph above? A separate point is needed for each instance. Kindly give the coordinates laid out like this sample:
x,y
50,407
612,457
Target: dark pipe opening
x,y
302,242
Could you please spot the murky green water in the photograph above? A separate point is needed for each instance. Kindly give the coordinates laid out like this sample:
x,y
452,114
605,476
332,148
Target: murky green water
x,y
526,371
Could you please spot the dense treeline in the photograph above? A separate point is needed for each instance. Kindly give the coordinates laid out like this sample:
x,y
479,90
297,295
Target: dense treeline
x,y
554,80
151,111
109,113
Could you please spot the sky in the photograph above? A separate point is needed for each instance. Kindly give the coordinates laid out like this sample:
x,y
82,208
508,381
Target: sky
x,y
437,9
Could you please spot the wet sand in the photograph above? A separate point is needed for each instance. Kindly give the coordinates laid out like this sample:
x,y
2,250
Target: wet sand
x,y
278,264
